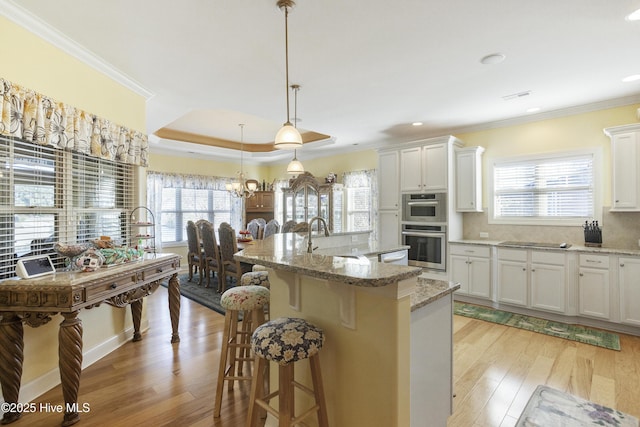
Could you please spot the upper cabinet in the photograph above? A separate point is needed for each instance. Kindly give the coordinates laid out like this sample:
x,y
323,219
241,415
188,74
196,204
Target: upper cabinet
x,y
388,173
468,178
625,168
425,168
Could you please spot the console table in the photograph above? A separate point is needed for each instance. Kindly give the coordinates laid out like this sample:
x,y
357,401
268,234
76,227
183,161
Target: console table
x,y
35,301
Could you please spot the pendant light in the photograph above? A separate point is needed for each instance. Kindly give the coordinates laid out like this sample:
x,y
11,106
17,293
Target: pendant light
x,y
295,167
242,188
288,136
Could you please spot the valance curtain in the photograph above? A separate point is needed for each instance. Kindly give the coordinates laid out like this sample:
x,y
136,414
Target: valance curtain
x,y
37,118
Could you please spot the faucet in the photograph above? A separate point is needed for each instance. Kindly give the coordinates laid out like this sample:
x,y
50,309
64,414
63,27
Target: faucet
x,y
326,231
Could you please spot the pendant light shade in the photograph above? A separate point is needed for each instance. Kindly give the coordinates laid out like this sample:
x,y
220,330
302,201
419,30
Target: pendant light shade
x,y
288,137
295,167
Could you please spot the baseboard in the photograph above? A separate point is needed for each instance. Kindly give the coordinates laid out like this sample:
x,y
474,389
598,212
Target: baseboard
x,y
37,387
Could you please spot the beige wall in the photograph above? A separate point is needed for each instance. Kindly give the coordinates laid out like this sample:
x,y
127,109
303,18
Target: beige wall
x,y
555,135
32,63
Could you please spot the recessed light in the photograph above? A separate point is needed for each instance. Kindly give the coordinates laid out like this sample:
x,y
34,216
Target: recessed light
x,y
533,110
633,16
631,78
416,124
494,58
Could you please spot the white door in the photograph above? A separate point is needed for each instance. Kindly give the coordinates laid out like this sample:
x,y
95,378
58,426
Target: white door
x,y
629,279
593,292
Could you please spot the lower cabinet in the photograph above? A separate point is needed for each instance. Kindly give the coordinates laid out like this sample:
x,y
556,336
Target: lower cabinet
x,y
628,274
593,286
513,276
471,267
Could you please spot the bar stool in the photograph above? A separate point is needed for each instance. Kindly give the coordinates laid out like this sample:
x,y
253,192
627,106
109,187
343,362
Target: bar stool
x,y
250,300
285,341
255,277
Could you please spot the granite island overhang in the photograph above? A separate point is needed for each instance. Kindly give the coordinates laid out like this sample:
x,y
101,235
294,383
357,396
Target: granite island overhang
x,y
375,316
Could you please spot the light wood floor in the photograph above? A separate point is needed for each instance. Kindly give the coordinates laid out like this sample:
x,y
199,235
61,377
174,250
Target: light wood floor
x,y
155,383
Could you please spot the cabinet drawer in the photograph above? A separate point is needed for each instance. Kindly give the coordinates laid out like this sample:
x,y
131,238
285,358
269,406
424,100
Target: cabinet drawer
x,y
547,257
594,261
512,254
471,250
111,287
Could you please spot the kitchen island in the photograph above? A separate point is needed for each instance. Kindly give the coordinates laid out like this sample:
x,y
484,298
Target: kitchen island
x,y
387,355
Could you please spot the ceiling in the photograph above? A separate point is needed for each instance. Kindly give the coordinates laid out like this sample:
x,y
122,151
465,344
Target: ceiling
x,y
367,69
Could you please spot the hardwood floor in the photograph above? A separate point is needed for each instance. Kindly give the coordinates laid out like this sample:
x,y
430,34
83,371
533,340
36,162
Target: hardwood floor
x,y
155,383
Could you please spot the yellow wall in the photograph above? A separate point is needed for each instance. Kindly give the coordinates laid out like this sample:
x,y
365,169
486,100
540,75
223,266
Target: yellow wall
x,y
32,63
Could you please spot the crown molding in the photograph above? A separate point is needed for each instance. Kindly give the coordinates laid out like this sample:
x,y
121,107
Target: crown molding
x,y
40,28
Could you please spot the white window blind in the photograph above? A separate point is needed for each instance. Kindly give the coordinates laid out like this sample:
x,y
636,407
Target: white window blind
x,y
49,195
544,189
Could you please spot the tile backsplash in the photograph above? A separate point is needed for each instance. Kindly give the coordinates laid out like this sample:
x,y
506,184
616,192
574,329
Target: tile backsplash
x,y
620,230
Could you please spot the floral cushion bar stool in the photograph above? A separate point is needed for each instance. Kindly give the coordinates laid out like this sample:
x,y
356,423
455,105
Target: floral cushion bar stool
x,y
250,301
286,340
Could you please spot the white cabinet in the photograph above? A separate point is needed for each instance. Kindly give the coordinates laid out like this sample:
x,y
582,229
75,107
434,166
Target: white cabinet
x,y
593,286
629,281
471,267
531,278
424,168
548,281
468,176
388,174
513,277
389,223
625,141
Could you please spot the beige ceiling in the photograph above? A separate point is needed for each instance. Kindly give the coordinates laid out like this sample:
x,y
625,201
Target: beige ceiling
x,y
367,69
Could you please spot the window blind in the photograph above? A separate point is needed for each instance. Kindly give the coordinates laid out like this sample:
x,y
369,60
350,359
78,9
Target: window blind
x,y
545,188
49,195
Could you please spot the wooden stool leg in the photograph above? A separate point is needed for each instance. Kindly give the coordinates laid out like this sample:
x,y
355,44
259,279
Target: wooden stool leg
x,y
285,400
233,348
223,363
318,390
258,374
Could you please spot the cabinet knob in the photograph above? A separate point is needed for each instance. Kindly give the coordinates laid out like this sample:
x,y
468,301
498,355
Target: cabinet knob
x,y
533,269
581,274
113,286
524,269
622,264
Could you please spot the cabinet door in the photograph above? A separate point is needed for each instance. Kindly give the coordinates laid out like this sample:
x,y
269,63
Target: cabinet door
x,y
267,200
389,233
460,272
593,292
548,287
465,181
479,277
411,169
512,282
388,175
434,169
625,171
629,274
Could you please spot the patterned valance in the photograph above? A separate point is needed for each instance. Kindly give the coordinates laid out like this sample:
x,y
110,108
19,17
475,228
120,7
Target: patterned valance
x,y
34,117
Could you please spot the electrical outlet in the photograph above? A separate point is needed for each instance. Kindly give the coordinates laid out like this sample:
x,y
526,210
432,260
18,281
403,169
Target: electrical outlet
x,y
484,235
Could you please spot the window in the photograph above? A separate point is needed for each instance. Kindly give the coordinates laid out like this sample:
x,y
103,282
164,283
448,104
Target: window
x,y
358,207
177,199
551,190
49,195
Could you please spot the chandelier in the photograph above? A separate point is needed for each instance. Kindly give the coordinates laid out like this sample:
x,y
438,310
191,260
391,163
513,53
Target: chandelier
x,y
242,187
288,136
295,167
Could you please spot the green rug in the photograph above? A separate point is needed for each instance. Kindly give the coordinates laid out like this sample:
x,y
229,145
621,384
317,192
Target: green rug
x,y
561,330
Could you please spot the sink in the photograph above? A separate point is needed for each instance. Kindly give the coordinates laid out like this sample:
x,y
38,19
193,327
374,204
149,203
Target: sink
x,y
536,244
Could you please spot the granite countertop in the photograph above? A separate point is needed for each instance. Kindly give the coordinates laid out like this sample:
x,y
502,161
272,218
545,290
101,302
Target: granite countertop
x,y
288,252
361,250
605,250
429,290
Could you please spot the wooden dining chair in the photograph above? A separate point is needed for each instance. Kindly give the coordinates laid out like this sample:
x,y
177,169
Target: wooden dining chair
x,y
229,246
271,228
212,262
287,227
256,227
301,227
195,258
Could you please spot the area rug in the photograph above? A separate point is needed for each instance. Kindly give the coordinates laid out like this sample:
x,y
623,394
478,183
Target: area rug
x,y
550,407
561,330
206,296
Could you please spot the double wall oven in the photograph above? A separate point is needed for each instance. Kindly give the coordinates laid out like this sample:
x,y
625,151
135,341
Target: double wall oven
x,y
424,229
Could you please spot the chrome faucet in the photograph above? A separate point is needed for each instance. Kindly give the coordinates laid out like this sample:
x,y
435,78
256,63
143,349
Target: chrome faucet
x,y
326,231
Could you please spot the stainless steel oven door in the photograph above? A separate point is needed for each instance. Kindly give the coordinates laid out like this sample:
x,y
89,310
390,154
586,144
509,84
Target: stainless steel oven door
x,y
424,207
427,248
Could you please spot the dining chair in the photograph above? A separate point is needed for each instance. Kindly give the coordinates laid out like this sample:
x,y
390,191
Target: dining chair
x,y
301,227
195,258
254,228
212,262
229,246
287,227
271,228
